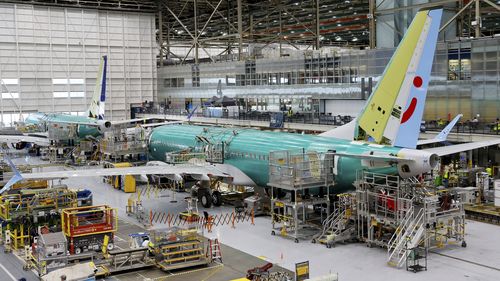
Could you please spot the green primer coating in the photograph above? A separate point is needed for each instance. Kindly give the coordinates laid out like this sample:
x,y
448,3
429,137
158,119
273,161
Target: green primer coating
x,y
257,145
83,130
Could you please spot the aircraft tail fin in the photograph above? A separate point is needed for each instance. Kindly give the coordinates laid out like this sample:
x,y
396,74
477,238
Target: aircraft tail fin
x,y
190,114
96,108
15,178
395,108
443,135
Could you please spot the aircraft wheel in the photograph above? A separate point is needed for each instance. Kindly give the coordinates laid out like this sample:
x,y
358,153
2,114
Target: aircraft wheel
x,y
205,198
216,198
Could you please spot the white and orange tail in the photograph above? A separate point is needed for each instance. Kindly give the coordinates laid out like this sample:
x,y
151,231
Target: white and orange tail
x,y
96,108
392,115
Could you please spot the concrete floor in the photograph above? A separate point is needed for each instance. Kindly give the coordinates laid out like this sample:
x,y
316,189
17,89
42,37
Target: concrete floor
x,y
479,261
236,262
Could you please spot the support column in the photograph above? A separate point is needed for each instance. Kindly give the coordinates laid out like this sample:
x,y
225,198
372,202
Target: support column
x,y
168,41
478,19
318,41
251,26
160,36
371,15
281,32
196,57
240,31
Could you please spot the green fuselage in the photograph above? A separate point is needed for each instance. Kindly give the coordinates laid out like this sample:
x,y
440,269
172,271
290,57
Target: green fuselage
x,y
41,120
248,149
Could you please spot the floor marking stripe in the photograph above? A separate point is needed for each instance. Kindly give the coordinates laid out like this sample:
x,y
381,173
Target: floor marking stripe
x,y
8,272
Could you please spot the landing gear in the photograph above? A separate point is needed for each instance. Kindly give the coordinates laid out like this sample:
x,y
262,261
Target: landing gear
x,y
216,198
205,198
464,244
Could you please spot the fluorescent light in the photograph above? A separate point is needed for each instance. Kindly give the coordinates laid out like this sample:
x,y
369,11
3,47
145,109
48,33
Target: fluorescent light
x,y
10,95
60,94
77,94
13,81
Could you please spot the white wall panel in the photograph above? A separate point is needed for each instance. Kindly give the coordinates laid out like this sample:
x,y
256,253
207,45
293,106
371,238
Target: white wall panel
x,y
39,43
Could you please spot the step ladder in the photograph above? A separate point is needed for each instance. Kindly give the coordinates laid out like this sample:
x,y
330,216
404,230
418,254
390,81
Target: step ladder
x,y
408,235
333,226
213,250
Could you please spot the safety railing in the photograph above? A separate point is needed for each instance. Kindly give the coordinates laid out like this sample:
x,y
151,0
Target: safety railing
x,y
302,168
181,158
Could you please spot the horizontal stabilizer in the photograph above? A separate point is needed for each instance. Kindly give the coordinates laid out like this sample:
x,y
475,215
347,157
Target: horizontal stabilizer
x,y
376,157
452,149
344,132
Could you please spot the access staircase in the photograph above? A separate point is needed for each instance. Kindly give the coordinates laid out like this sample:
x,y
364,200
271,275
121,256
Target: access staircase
x,y
336,228
407,236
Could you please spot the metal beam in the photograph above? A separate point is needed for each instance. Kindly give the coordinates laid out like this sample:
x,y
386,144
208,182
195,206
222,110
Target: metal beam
x,y
180,13
232,35
210,18
478,19
160,36
240,30
455,16
298,21
195,8
492,4
318,41
180,22
281,32
417,6
371,29
223,17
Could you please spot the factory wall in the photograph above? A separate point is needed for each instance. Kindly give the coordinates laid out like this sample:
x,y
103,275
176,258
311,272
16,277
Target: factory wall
x,y
49,58
465,79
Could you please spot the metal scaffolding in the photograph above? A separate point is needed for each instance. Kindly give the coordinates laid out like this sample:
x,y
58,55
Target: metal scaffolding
x,y
300,182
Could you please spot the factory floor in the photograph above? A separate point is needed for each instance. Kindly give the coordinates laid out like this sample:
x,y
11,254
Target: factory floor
x,y
480,260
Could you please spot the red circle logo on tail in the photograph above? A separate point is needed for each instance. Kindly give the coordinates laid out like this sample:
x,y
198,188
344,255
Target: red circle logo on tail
x,y
417,81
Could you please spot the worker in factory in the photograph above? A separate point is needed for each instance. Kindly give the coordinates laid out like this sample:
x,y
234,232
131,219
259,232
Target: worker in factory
x,y
145,242
446,176
209,221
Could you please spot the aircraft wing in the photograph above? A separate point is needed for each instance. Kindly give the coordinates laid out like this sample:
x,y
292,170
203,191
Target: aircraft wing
x,y
200,172
451,149
38,140
107,124
443,135
161,124
168,170
95,123
120,122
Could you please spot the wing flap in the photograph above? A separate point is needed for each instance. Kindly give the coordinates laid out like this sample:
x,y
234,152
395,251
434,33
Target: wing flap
x,y
139,170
